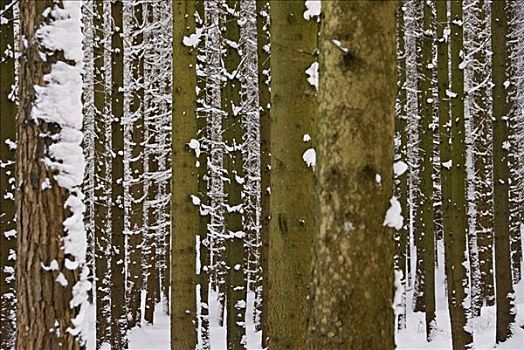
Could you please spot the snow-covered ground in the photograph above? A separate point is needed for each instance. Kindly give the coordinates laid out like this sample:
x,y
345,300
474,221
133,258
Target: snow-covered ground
x,y
414,336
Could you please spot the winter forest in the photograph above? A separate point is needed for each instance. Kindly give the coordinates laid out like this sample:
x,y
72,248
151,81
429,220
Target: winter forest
x,y
261,174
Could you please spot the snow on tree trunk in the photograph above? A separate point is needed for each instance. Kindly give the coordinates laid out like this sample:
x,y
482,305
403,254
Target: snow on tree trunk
x,y
8,113
51,282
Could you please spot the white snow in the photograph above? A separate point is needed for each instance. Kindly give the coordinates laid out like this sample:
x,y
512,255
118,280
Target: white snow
x,y
394,214
447,164
312,73
194,39
195,200
399,168
306,138
310,157
313,9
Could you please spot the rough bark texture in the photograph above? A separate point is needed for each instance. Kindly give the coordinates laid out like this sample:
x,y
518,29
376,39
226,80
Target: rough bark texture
x,y
185,215
353,249
456,236
424,224
232,126
8,112
293,111
264,98
43,304
503,280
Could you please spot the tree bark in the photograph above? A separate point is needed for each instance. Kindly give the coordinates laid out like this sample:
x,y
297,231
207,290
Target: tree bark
x,y
503,280
8,113
457,233
43,302
264,98
353,248
232,134
425,233
292,202
185,215
102,189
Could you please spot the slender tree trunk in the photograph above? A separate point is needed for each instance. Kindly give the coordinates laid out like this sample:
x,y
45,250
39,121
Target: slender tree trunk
x,y
425,216
153,128
264,98
136,219
45,264
483,158
292,202
456,245
401,179
102,188
8,113
203,171
233,131
354,247
185,214
118,309
503,280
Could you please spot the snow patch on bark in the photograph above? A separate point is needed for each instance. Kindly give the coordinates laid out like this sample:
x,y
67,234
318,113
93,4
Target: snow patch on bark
x,y
59,101
394,214
313,9
310,157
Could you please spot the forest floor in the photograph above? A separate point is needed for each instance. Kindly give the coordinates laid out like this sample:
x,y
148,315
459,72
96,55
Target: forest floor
x,y
157,336
414,336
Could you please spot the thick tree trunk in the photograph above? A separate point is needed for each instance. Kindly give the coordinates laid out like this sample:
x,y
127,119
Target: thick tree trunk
x,y
43,281
292,202
185,214
354,248
503,279
8,112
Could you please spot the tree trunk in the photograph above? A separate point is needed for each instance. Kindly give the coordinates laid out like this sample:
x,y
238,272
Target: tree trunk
x,y
102,188
185,214
264,98
425,217
136,219
118,309
483,158
401,180
233,132
7,179
354,248
44,274
292,202
457,233
503,280
203,171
